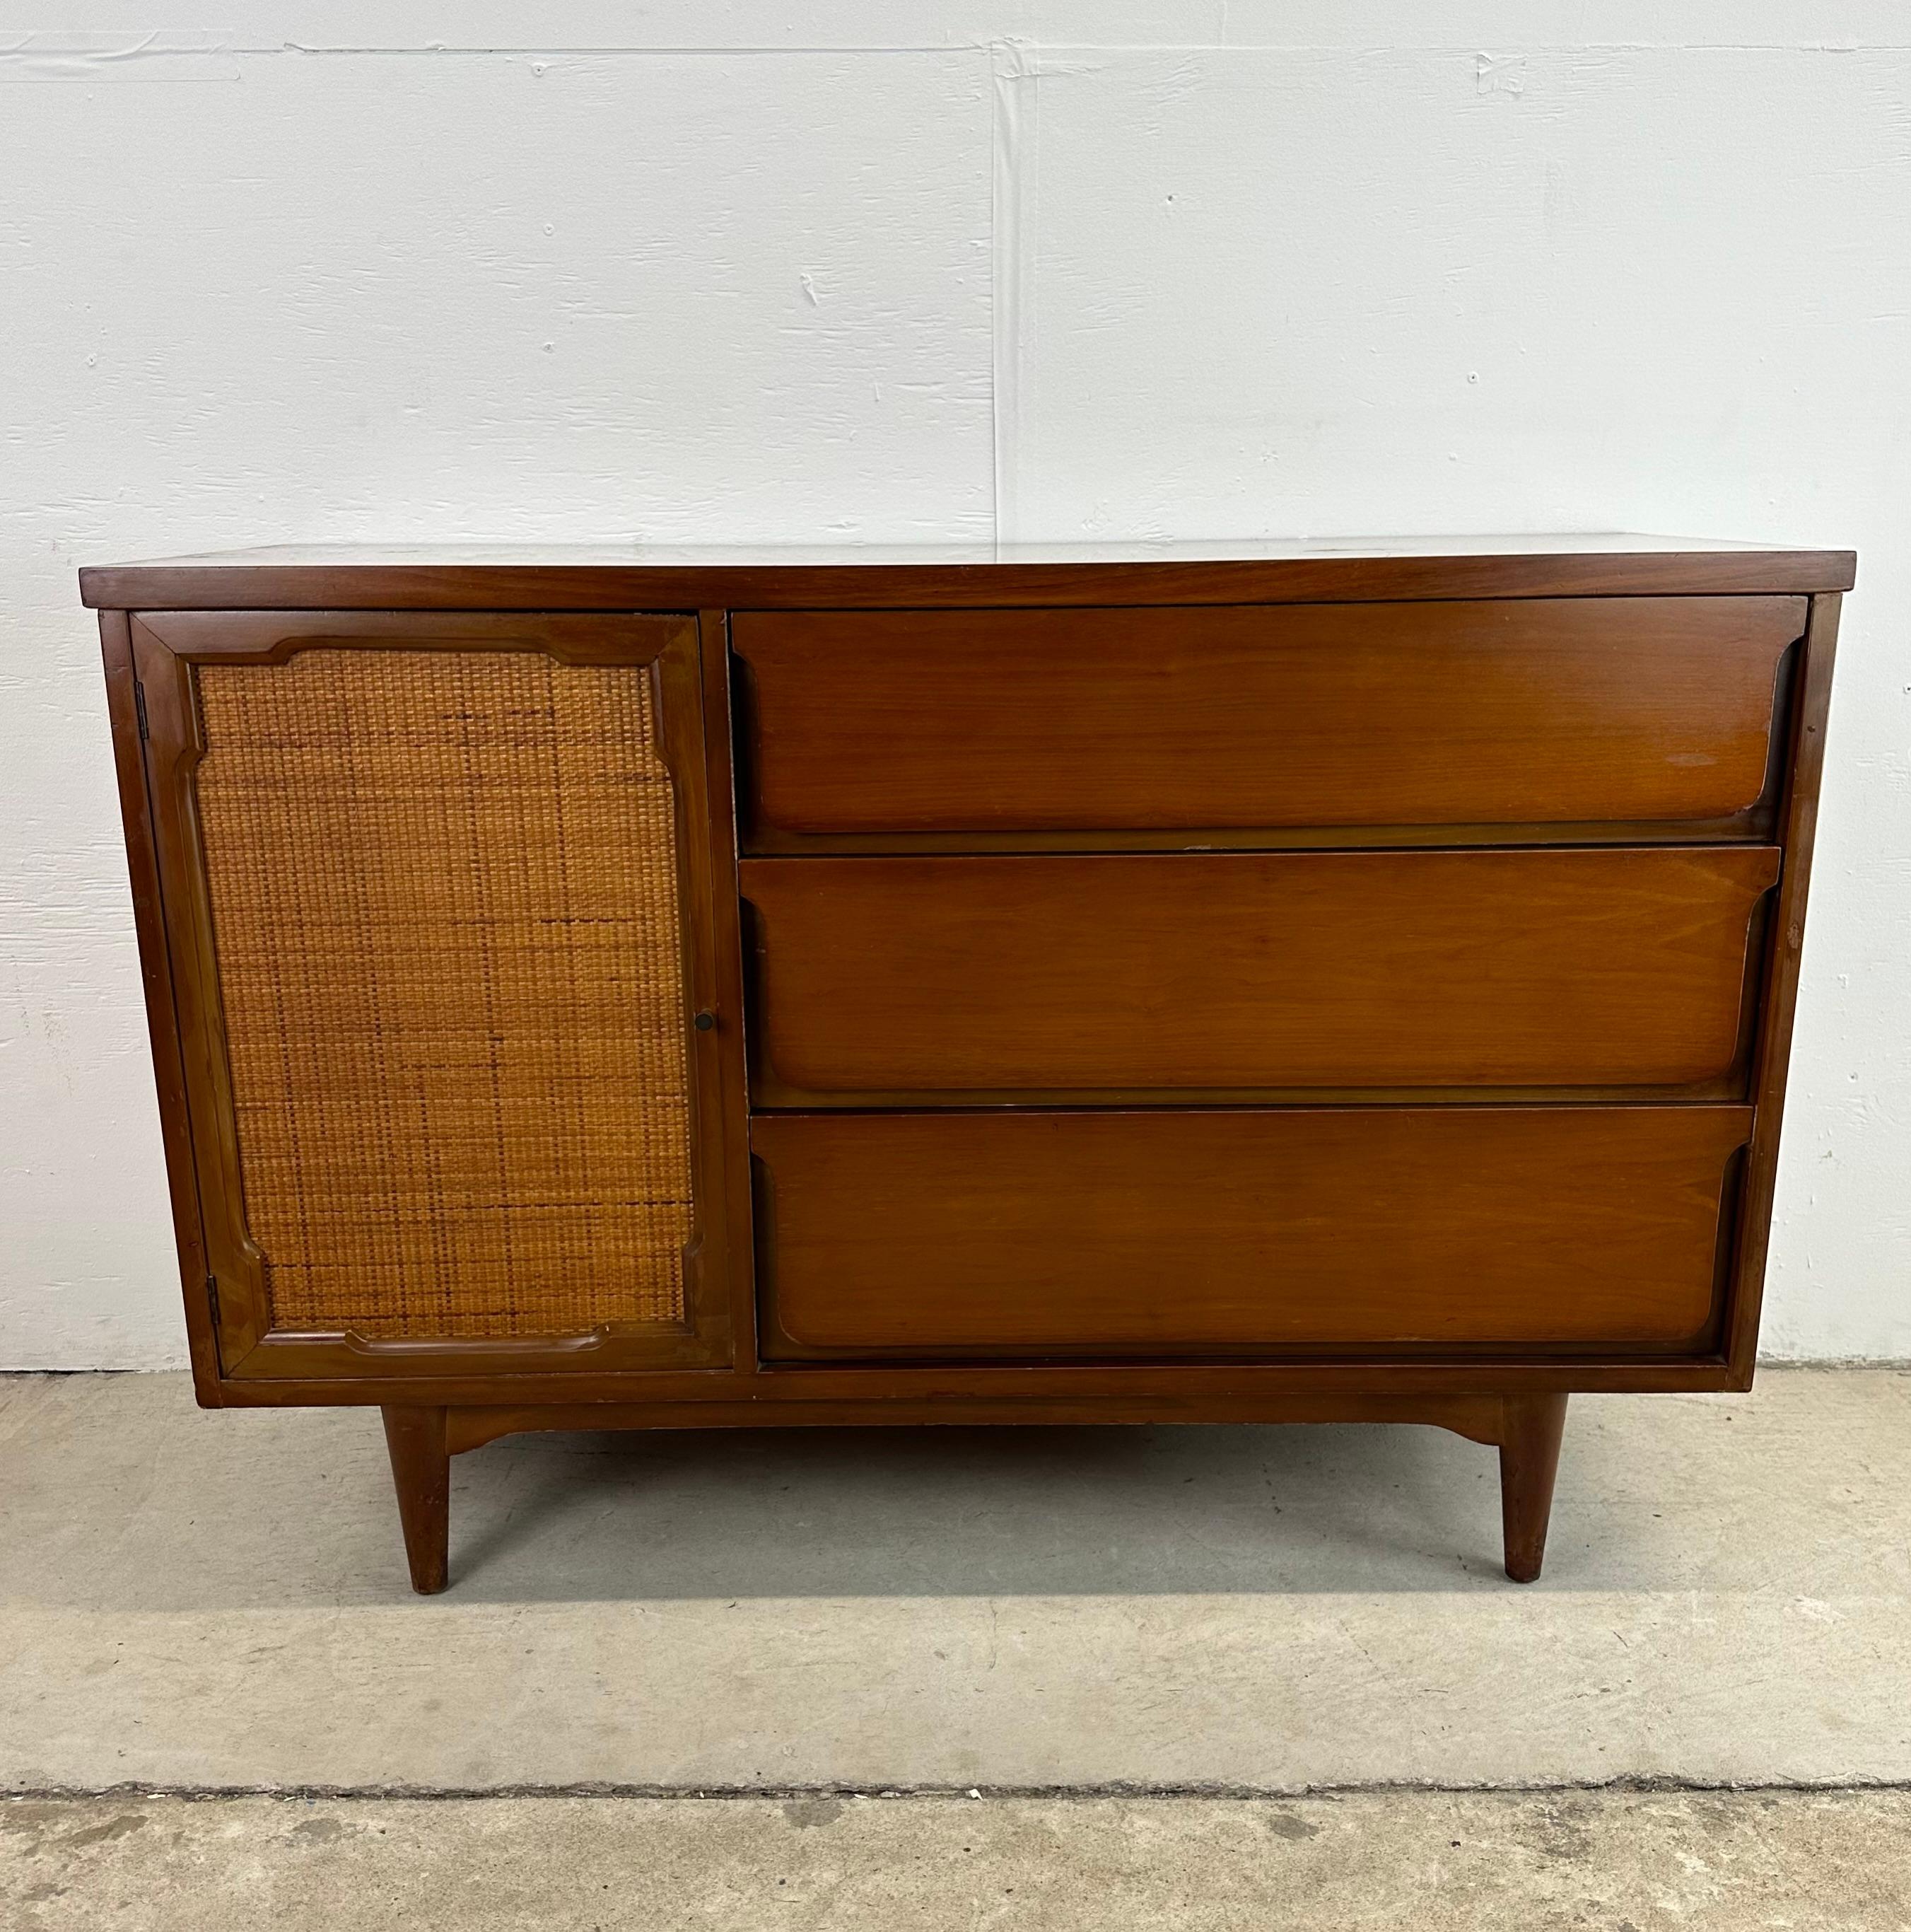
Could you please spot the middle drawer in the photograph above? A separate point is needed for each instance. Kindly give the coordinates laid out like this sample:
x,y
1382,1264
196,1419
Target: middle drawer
x,y
962,980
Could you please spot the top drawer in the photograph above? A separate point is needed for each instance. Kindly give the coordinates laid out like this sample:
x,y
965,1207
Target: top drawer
x,y
1577,712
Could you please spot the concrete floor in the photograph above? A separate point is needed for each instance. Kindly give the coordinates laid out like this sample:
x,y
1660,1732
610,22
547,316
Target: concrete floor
x,y
216,1604
1418,1861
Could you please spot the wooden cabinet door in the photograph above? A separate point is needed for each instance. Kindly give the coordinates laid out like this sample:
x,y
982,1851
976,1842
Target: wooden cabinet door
x,y
459,1060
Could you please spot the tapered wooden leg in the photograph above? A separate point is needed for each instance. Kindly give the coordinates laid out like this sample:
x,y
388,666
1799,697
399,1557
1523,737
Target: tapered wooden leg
x,y
421,1472
1529,1460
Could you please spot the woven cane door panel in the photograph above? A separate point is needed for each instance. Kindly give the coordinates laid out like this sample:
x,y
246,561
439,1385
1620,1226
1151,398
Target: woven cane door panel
x,y
444,900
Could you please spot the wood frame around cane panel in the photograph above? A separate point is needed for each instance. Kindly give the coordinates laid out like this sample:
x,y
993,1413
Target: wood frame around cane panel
x,y
165,650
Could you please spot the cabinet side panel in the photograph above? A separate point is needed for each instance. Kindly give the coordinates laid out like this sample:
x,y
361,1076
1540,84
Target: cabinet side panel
x,y
1807,767
124,706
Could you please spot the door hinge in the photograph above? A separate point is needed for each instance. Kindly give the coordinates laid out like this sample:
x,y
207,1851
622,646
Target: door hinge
x,y
139,705
212,1300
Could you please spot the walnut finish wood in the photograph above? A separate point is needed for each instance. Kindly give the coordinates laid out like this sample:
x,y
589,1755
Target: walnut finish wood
x,y
1534,1427
125,709
1682,922
1804,766
786,577
1479,1417
1220,1390
421,1473
273,637
1440,1230
1534,711
881,978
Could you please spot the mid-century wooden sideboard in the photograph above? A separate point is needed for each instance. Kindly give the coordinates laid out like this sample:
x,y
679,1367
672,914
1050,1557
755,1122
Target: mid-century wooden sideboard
x,y
651,989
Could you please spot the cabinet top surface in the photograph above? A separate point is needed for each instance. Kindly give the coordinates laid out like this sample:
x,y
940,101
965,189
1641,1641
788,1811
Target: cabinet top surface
x,y
613,576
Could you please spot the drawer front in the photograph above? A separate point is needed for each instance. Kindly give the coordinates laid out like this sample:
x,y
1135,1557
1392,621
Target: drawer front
x,y
1374,1230
1536,712
1106,975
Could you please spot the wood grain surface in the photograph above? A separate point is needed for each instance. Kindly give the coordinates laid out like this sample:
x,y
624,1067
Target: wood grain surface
x,y
1071,1234
1575,967
635,577
1532,711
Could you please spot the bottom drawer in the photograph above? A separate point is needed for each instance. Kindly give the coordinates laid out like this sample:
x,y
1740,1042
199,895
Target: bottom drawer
x,y
1591,1229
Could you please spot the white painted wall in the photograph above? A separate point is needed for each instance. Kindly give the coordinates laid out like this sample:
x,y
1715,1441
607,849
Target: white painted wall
x,y
709,272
